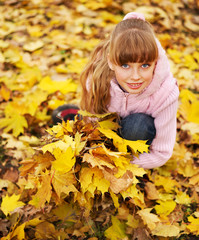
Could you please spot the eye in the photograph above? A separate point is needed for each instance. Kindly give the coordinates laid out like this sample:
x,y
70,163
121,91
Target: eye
x,y
125,65
146,65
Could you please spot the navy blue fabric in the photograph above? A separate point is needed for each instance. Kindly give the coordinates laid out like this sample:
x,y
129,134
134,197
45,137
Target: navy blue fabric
x,y
138,126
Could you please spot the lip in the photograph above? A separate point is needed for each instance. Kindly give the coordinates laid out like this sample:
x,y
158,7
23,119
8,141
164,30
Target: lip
x,y
134,85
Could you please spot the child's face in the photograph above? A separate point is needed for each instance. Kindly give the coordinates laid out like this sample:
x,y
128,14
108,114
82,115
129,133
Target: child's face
x,y
134,77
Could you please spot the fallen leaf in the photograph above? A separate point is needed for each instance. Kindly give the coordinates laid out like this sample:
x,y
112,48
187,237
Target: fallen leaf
x,y
152,192
16,123
65,160
150,219
9,204
194,225
116,231
32,46
164,208
164,230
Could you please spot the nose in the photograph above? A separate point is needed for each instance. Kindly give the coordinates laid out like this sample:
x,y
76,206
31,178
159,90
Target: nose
x,y
135,74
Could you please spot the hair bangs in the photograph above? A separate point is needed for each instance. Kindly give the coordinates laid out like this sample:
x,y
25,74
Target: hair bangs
x,y
133,46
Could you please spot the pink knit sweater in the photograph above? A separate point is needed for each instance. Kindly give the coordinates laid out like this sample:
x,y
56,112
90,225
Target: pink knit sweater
x,y
160,100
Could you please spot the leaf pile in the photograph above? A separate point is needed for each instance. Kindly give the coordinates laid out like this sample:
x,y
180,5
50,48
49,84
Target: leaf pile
x,y
77,181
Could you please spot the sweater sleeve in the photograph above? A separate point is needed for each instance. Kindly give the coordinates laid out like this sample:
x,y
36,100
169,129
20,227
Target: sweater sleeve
x,y
162,146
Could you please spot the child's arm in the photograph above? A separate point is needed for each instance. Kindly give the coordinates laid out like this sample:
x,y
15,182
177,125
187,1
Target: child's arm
x,y
162,145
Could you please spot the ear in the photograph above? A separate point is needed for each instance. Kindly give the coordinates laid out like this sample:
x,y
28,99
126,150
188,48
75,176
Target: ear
x,y
110,64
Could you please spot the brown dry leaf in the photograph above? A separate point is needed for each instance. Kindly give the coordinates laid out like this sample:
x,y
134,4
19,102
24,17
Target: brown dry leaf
x,y
45,230
141,233
11,174
150,219
151,191
190,24
119,184
153,14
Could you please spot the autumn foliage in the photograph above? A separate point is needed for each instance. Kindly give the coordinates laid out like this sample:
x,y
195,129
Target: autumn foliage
x,y
75,180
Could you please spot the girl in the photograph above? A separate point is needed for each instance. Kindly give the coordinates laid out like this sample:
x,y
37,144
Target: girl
x,y
129,74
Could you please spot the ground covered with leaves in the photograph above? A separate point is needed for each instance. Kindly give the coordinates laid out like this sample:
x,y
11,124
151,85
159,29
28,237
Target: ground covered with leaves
x,y
75,180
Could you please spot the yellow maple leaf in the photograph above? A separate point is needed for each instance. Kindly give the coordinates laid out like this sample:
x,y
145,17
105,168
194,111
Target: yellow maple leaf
x,y
122,144
56,130
196,56
109,124
150,219
16,123
92,179
164,230
65,160
73,66
51,86
175,55
136,171
62,145
32,46
135,194
116,231
44,192
12,55
66,212
190,62
35,31
193,114
86,177
165,207
115,199
5,92
3,44
187,168
167,183
183,198
83,44
194,180
33,222
95,161
189,106
187,95
27,78
55,103
132,222
63,183
107,16
194,225
17,233
9,204
102,184
79,145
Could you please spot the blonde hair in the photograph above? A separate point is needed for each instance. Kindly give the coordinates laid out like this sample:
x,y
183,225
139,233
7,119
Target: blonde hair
x,y
132,40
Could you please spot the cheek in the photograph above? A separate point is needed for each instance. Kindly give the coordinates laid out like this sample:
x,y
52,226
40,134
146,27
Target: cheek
x,y
149,76
119,75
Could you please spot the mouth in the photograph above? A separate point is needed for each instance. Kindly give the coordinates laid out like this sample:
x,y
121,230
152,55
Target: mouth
x,y
134,85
